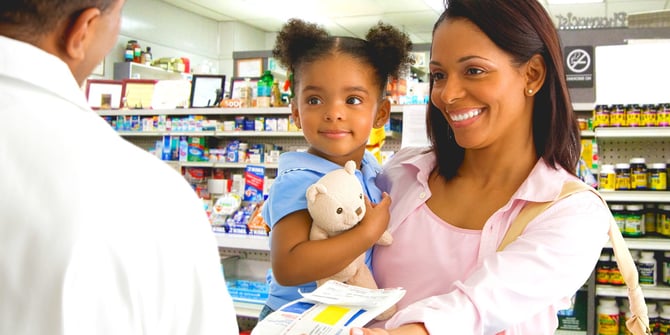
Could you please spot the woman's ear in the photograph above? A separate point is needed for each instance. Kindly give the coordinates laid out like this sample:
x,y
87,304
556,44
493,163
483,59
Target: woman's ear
x,y
383,113
536,72
81,33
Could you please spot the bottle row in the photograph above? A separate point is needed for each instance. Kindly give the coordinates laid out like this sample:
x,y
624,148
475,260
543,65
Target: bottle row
x,y
612,315
635,175
647,262
637,220
619,115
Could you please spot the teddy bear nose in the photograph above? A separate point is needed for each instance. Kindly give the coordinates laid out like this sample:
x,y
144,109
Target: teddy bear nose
x,y
359,210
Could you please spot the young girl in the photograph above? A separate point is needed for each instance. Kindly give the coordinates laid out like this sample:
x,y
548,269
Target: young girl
x,y
338,86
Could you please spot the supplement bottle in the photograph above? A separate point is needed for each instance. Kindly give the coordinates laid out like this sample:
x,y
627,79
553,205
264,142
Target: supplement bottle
x,y
619,214
654,318
264,92
650,219
601,116
663,220
130,51
646,268
608,317
664,321
638,174
666,268
663,115
649,115
622,171
658,177
603,269
617,116
633,116
607,178
634,221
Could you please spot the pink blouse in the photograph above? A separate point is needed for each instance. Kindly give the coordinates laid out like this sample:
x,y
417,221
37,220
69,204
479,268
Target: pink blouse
x,y
457,283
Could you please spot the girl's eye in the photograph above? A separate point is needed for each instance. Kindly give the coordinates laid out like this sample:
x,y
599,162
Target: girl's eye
x,y
313,101
474,71
354,101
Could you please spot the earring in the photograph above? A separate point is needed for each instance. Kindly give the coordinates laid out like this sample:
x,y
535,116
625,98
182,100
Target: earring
x,y
530,91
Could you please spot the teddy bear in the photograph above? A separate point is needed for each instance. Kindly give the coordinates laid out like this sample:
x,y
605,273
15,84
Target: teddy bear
x,y
336,203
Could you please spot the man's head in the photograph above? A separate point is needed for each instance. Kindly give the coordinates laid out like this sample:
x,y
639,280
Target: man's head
x,y
80,32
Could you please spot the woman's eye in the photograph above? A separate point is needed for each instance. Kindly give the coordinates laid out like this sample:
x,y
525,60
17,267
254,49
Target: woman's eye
x,y
474,71
354,100
313,101
436,76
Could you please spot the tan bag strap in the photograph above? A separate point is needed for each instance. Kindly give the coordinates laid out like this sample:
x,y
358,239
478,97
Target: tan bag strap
x,y
638,324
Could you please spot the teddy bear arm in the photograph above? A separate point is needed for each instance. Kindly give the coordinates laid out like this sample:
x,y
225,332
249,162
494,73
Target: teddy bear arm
x,y
385,239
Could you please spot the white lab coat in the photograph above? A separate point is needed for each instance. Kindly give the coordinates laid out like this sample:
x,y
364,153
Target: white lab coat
x,y
97,236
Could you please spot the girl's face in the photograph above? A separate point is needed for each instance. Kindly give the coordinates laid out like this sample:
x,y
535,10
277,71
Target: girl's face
x,y
479,90
337,103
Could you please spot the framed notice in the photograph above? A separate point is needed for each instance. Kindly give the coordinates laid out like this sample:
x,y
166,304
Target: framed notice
x,y
249,67
207,90
104,94
138,92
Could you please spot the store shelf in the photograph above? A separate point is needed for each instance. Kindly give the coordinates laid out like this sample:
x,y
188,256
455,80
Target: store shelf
x,y
646,243
225,165
242,133
636,196
247,309
588,133
198,111
632,132
650,292
583,106
245,242
569,332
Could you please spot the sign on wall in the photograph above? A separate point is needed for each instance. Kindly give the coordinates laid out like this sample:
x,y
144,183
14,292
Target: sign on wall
x,y
579,64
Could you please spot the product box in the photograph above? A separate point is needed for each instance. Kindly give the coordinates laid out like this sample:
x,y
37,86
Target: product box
x,y
574,317
253,183
197,147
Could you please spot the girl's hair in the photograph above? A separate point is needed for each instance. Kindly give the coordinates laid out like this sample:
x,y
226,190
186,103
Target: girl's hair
x,y
522,28
385,48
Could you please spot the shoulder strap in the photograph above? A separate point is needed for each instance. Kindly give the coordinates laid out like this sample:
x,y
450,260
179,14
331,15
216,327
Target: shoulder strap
x,y
638,324
533,209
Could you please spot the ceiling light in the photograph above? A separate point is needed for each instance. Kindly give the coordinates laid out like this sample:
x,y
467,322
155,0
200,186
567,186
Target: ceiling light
x,y
571,2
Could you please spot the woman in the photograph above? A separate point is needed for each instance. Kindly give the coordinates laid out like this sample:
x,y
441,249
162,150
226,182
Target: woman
x,y
502,134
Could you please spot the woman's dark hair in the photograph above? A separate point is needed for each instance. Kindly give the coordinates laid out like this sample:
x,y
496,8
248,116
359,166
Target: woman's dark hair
x,y
522,28
385,48
29,19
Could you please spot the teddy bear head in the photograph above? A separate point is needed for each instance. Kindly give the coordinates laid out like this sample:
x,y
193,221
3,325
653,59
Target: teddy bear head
x,y
336,202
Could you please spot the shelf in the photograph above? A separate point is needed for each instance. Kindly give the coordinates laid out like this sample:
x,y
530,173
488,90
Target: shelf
x,y
632,132
247,309
650,292
126,70
569,332
583,106
636,196
225,165
645,243
245,242
242,133
587,133
198,111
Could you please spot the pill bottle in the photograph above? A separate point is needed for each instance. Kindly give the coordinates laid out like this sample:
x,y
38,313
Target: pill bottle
x,y
638,173
666,268
654,317
617,116
663,220
649,115
664,321
658,177
633,115
603,269
646,268
663,115
601,116
634,221
608,317
607,178
622,171
650,219
619,214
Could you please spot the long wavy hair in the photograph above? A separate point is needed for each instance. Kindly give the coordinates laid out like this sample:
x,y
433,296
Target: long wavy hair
x,y
522,28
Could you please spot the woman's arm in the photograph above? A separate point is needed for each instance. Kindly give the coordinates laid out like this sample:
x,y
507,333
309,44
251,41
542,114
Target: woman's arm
x,y
297,260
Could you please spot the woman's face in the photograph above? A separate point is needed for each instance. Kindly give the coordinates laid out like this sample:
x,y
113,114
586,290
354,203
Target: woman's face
x,y
477,87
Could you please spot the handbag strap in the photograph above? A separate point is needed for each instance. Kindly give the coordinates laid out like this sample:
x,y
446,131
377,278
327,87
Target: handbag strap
x,y
638,324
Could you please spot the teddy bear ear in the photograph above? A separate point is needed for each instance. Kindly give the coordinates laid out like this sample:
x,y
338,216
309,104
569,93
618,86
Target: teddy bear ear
x,y
350,167
314,190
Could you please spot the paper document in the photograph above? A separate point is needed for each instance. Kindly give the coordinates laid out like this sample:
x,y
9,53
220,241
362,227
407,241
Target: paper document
x,y
331,309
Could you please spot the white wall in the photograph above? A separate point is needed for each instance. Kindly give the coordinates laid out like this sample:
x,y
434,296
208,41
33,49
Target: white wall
x,y
173,32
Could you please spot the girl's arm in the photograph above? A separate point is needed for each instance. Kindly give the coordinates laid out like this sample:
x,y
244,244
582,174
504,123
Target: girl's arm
x,y
297,260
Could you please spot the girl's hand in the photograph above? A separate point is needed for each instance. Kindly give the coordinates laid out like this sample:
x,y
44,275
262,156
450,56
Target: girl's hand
x,y
376,217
